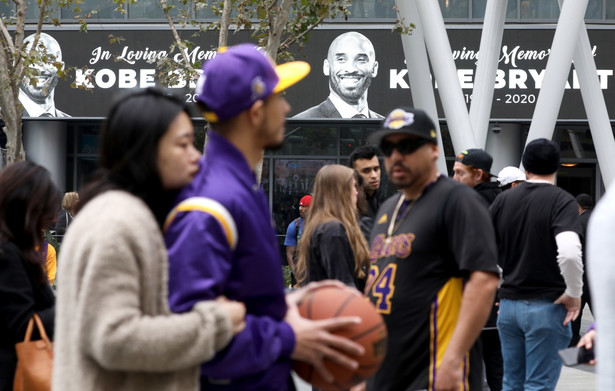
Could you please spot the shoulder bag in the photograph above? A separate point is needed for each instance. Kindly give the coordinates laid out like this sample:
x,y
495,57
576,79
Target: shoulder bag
x,y
34,360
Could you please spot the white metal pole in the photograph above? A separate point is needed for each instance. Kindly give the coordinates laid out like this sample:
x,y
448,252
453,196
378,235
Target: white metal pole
x,y
484,80
445,72
421,86
595,106
558,68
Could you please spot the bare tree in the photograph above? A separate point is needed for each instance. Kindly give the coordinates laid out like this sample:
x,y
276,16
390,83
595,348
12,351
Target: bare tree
x,y
276,25
19,62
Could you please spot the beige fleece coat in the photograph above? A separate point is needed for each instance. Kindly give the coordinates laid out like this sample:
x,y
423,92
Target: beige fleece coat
x,y
114,330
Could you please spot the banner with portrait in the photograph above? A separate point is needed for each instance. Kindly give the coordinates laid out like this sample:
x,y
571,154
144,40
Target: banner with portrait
x,y
107,69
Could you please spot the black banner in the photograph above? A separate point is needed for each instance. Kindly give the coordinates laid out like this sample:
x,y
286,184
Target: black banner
x,y
523,60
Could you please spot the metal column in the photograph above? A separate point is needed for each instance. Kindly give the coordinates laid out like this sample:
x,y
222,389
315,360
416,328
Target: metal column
x,y
445,71
484,80
595,106
557,70
419,74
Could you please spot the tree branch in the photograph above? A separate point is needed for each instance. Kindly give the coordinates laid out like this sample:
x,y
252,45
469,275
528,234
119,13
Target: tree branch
x,y
178,40
7,43
291,39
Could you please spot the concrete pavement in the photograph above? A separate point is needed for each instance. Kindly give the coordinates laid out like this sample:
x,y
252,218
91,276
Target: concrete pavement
x,y
579,378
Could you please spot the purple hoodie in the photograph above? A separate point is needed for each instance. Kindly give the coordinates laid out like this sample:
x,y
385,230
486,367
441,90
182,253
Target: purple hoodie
x,y
225,244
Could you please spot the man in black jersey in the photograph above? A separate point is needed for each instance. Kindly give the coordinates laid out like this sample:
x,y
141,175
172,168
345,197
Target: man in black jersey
x,y
434,273
537,232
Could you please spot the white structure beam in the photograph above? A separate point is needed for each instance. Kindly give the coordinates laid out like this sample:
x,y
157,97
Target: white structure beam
x,y
557,70
595,106
445,72
421,87
484,81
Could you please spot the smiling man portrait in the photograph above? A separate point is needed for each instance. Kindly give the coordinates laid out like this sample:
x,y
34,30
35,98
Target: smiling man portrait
x,y
350,65
38,99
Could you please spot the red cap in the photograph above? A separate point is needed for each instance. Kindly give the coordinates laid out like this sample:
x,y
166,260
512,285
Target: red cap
x,y
305,200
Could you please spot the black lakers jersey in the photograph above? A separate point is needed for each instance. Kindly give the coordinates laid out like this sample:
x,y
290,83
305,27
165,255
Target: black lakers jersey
x,y
417,275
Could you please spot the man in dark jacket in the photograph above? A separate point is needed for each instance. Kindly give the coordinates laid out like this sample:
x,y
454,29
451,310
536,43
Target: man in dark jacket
x,y
473,168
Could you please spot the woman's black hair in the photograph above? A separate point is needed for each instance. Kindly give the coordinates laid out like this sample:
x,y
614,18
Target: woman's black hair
x,y
129,147
29,202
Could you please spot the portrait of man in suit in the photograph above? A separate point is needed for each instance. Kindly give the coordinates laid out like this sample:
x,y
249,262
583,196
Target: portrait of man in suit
x,y
350,66
38,99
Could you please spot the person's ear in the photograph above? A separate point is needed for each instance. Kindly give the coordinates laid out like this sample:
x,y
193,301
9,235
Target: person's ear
x,y
478,174
375,69
435,152
325,67
256,112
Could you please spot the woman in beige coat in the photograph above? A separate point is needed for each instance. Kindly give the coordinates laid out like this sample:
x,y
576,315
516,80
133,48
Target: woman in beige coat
x,y
114,330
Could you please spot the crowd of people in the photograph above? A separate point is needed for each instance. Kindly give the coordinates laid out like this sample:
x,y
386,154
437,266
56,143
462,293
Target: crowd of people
x,y
169,273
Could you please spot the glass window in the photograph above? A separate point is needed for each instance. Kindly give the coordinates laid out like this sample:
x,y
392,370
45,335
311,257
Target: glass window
x,y
575,143
199,134
207,13
539,9
479,6
594,9
93,10
293,179
150,9
309,140
454,9
86,167
32,11
6,9
265,176
353,137
610,9
384,9
88,140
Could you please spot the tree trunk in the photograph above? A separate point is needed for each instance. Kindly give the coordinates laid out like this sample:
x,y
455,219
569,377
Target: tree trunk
x,y
225,21
14,144
277,23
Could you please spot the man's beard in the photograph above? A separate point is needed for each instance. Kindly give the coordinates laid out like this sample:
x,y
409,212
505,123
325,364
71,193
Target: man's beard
x,y
350,95
40,92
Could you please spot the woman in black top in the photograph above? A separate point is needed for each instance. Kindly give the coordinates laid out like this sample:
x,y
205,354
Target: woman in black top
x,y
27,205
332,245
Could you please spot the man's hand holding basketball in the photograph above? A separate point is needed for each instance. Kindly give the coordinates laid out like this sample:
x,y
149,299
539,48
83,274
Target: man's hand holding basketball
x,y
314,340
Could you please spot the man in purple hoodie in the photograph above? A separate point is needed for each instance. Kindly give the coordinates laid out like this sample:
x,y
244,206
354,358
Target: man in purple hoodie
x,y
220,236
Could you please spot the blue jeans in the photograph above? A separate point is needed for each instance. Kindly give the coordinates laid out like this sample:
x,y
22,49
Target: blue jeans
x,y
531,333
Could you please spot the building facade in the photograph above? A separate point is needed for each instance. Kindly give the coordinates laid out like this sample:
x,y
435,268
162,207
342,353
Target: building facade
x,y
68,145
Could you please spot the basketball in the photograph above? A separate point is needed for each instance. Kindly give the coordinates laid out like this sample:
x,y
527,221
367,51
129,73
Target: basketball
x,y
371,333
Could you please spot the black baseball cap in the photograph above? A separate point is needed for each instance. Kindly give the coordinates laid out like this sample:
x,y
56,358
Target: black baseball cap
x,y
405,120
476,158
541,156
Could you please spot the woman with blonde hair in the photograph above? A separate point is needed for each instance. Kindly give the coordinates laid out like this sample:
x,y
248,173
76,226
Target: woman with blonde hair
x,y
332,245
65,216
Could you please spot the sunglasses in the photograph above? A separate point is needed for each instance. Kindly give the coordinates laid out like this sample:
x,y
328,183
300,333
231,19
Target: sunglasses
x,y
405,146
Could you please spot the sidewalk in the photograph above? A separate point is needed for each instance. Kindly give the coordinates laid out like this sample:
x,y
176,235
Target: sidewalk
x,y
582,377
579,378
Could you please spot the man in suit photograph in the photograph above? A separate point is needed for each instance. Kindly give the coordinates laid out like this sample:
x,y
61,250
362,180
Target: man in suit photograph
x,y
350,65
38,99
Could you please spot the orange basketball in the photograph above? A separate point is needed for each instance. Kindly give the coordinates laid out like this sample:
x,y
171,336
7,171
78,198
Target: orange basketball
x,y
371,333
